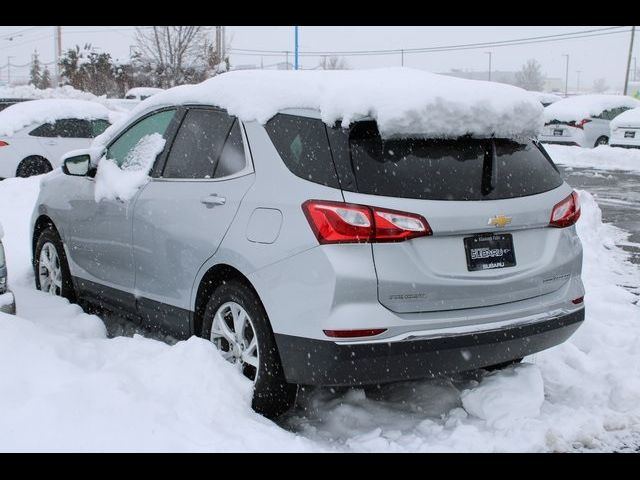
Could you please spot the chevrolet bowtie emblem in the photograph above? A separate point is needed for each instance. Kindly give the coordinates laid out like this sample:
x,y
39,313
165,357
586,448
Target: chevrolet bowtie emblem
x,y
499,221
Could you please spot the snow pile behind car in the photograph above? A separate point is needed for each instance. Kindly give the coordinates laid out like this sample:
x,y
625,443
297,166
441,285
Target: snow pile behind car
x,y
65,386
23,114
603,157
403,101
574,109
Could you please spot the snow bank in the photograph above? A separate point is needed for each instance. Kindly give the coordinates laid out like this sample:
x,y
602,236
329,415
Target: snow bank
x,y
23,114
585,106
29,91
630,118
404,101
603,157
122,182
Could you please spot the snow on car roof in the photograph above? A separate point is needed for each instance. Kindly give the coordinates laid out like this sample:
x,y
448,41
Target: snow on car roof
x,y
403,101
23,114
585,106
627,119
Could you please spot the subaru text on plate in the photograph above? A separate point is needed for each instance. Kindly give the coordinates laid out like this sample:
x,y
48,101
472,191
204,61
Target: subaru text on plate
x,y
315,243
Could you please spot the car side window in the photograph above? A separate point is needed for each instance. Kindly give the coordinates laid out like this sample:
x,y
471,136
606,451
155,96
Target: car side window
x,y
65,128
232,159
198,144
155,123
98,127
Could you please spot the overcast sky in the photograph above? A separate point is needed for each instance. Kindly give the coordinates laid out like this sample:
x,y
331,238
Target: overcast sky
x,y
596,57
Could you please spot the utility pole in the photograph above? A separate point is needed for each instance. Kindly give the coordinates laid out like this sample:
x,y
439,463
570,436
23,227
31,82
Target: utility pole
x,y
402,58
296,63
578,87
566,77
489,53
219,43
635,69
9,70
287,59
58,53
626,78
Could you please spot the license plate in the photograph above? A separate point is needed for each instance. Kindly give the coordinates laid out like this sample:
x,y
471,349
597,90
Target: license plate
x,y
489,251
558,133
629,134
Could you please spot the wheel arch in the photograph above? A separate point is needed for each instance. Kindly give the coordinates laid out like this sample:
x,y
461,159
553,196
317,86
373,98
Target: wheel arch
x,y
213,277
41,223
33,157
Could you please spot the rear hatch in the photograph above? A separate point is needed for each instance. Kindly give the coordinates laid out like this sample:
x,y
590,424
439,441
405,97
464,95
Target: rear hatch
x,y
559,129
488,203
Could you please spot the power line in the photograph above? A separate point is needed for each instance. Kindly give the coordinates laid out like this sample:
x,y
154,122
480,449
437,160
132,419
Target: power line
x,y
445,48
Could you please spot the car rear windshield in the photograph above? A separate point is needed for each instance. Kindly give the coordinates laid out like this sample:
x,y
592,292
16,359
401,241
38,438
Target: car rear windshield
x,y
460,169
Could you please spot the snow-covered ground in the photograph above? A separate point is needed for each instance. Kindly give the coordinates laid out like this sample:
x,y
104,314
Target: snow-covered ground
x,y
603,157
66,386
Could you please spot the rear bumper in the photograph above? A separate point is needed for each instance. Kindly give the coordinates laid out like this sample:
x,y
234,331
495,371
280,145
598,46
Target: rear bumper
x,y
7,303
326,363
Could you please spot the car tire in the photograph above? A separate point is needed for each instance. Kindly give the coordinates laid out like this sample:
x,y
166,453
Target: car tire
x,y
272,395
33,166
49,241
603,140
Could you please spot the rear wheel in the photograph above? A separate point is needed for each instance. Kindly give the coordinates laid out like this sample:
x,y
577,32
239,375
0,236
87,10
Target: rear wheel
x,y
236,323
601,141
33,166
52,270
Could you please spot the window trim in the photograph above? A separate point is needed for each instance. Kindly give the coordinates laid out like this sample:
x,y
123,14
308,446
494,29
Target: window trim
x,y
248,167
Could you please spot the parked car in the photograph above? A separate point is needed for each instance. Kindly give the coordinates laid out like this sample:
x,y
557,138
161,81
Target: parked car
x,y
583,120
7,102
7,300
546,98
35,134
141,93
625,129
319,254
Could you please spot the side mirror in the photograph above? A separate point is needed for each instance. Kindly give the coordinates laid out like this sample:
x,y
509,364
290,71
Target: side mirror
x,y
78,166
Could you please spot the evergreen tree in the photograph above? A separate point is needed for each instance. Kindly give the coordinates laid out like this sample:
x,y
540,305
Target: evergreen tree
x,y
45,81
35,77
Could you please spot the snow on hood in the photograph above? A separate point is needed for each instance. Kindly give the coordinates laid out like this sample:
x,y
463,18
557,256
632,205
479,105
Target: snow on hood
x,y
23,114
630,118
585,106
403,101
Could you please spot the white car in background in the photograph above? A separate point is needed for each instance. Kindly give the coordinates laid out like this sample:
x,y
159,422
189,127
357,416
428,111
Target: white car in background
x,y
546,99
35,134
141,93
625,129
584,120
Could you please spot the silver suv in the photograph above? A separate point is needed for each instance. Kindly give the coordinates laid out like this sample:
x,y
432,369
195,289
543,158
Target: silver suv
x,y
319,255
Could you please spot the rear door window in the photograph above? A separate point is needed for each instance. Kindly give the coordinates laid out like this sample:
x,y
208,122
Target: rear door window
x,y
304,147
198,144
460,169
65,128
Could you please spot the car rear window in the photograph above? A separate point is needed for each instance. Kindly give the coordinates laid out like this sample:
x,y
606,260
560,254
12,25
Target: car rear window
x,y
460,169
304,147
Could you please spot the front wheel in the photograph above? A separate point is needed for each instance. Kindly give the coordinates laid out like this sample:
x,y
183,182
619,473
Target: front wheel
x,y
51,267
236,323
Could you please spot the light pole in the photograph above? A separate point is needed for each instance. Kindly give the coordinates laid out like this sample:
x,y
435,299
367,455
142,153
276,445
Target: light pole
x,y
626,78
489,53
566,77
578,87
9,70
295,62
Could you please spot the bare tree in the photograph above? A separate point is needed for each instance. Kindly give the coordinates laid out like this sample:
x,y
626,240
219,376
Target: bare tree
x,y
530,76
600,85
333,63
176,52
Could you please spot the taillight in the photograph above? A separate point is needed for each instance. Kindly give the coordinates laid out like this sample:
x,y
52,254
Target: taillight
x,y
338,222
354,333
566,213
3,143
578,301
581,123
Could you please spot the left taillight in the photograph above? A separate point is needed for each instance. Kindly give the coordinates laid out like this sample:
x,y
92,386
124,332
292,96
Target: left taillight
x,y
582,123
338,222
566,212
3,143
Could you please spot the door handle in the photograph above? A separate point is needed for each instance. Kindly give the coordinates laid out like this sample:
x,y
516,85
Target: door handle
x,y
51,142
213,200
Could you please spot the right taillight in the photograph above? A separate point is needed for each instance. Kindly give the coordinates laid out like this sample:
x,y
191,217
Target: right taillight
x,y
566,212
338,222
3,143
581,123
